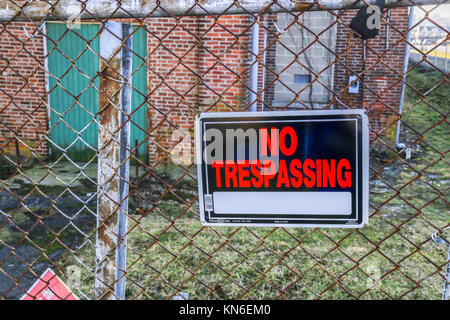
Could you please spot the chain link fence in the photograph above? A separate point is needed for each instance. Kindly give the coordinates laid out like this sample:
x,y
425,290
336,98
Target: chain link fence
x,y
98,181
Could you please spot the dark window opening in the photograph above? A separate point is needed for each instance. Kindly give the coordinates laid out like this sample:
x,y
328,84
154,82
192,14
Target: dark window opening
x,y
302,78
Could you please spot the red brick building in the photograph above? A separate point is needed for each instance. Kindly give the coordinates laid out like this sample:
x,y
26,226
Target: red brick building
x,y
198,64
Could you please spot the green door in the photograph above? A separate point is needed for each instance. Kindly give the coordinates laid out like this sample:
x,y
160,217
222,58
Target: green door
x,y
139,116
73,64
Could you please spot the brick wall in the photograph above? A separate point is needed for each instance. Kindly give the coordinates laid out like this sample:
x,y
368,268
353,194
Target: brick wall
x,y
196,64
380,85
222,68
172,78
201,64
23,112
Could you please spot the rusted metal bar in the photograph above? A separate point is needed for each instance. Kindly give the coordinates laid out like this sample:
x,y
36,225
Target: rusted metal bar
x,y
103,9
113,162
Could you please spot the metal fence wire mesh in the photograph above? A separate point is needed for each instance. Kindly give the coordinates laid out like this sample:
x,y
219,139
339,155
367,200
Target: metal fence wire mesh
x,y
68,69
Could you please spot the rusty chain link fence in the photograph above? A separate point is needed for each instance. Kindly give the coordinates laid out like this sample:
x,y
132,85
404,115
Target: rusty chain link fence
x,y
98,181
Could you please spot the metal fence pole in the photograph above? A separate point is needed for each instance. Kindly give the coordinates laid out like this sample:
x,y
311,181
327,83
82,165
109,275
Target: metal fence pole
x,y
125,135
254,69
107,9
438,240
113,162
446,294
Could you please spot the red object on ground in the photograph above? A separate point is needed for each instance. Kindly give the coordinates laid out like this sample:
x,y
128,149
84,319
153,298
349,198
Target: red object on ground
x,y
49,287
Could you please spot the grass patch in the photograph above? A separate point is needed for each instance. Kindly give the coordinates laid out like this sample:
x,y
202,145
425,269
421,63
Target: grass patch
x,y
264,263
425,122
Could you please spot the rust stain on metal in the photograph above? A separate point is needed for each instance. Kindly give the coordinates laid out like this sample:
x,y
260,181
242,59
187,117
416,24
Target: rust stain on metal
x,y
108,179
109,90
303,6
8,10
38,8
104,233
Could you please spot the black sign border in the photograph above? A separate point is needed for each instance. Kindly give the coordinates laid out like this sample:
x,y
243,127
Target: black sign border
x,y
356,220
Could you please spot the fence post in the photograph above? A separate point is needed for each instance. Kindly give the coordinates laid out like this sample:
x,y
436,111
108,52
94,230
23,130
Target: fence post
x,y
446,294
438,240
113,161
125,135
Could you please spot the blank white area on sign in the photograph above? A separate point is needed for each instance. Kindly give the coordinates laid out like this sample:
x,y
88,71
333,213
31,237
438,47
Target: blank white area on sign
x,y
307,203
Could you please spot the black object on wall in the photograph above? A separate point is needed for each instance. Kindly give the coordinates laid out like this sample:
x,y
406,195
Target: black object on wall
x,y
367,21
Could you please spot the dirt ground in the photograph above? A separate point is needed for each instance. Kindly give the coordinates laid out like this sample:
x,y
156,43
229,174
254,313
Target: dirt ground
x,y
49,219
